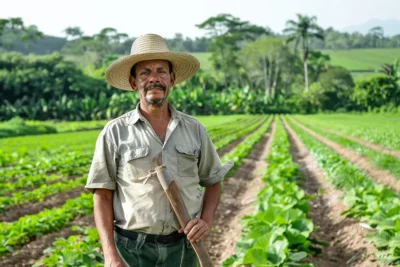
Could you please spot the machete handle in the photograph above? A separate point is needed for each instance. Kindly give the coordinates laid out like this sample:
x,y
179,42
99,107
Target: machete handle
x,y
178,205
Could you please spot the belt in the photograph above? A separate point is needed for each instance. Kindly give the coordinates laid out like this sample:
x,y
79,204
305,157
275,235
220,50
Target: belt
x,y
164,239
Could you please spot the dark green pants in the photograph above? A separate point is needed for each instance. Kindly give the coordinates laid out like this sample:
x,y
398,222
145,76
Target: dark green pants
x,y
138,253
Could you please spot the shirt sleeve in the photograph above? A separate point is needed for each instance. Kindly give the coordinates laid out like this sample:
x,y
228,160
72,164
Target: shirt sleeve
x,y
103,170
211,170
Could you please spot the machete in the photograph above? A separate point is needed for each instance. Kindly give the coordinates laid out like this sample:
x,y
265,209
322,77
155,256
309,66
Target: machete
x,y
174,196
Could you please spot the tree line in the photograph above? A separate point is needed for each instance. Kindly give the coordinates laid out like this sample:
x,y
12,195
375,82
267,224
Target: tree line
x,y
253,71
110,40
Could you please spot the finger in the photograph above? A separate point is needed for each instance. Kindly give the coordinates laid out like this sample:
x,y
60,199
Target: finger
x,y
199,235
180,231
194,230
190,225
198,231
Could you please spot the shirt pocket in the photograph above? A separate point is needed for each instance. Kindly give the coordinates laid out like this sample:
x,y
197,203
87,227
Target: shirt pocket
x,y
137,163
187,161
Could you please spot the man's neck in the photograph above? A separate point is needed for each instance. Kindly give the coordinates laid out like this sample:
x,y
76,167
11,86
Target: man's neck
x,y
154,112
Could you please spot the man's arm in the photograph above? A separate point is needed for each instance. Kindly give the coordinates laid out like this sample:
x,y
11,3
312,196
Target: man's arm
x,y
104,218
198,228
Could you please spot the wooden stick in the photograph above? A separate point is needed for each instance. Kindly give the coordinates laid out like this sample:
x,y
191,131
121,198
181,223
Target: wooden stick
x,y
174,196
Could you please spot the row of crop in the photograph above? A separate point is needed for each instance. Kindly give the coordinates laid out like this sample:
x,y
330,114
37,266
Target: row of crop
x,y
26,150
278,231
379,129
238,133
380,160
83,249
222,130
66,164
76,161
47,190
243,149
29,150
38,194
375,205
29,227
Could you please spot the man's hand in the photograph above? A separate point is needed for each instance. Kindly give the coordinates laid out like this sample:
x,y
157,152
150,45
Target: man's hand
x,y
114,262
196,230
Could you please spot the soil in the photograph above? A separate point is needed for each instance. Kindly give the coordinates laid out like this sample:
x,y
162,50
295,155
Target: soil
x,y
27,255
346,238
380,176
391,152
226,149
238,197
14,212
33,251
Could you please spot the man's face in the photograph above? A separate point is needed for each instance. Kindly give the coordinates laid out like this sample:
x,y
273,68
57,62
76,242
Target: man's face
x,y
153,81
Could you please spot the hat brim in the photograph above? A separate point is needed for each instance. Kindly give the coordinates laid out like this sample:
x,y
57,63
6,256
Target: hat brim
x,y
184,64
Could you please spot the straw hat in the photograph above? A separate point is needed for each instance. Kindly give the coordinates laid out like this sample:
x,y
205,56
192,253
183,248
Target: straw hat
x,y
148,47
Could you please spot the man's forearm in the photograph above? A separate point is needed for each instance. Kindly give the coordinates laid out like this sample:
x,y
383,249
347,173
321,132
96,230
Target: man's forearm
x,y
104,218
210,204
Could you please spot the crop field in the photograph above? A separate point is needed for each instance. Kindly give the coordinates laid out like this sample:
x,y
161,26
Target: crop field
x,y
315,190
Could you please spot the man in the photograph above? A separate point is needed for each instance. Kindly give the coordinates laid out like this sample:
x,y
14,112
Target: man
x,y
136,223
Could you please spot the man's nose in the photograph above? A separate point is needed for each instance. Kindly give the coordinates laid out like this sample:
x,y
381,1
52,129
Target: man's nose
x,y
154,77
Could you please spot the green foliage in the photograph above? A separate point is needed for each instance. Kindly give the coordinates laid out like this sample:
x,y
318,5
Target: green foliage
x,y
376,92
343,40
77,250
302,32
48,87
229,33
278,231
375,205
264,61
17,126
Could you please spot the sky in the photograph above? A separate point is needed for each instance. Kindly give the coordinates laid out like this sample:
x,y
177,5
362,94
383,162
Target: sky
x,y
168,17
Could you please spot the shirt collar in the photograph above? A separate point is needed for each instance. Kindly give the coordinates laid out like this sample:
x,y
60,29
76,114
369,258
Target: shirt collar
x,y
137,115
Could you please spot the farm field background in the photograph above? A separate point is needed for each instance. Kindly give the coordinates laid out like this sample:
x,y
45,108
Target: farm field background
x,y
46,216
315,181
360,62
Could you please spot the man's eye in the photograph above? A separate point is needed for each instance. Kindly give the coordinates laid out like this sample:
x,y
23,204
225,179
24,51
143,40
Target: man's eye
x,y
143,73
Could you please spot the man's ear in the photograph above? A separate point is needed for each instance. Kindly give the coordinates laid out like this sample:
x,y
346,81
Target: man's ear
x,y
132,81
172,78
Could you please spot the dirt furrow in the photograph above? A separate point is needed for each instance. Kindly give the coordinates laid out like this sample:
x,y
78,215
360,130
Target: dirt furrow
x,y
388,151
226,149
380,176
346,238
56,200
33,251
374,146
30,253
239,194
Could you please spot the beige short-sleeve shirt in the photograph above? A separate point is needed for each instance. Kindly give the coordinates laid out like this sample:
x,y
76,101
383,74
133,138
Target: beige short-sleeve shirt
x,y
122,161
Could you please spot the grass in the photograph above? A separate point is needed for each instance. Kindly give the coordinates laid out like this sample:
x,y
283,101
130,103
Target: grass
x,y
363,59
204,58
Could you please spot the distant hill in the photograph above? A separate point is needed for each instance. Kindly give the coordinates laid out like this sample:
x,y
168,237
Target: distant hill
x,y
390,27
47,45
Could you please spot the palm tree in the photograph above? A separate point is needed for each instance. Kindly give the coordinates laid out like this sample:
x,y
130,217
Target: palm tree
x,y
302,32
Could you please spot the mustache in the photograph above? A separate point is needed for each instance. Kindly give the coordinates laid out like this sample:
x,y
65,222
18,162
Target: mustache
x,y
155,85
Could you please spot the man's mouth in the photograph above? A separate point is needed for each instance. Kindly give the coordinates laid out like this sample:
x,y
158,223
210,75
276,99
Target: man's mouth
x,y
157,86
